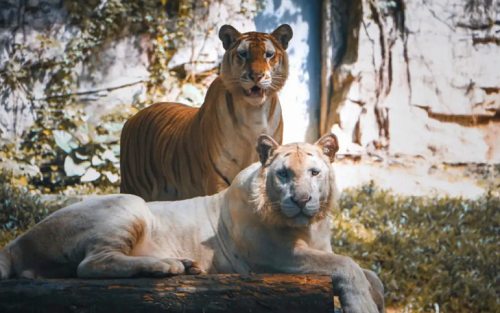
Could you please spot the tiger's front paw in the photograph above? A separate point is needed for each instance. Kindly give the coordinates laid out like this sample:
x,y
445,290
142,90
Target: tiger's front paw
x,y
175,266
183,266
192,268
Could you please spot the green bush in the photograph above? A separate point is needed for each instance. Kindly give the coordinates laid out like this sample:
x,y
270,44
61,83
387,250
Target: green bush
x,y
431,254
20,209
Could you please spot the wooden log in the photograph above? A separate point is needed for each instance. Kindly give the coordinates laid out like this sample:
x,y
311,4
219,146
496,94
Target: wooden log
x,y
202,293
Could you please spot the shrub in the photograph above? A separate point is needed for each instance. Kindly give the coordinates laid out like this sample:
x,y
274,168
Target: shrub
x,y
20,209
439,255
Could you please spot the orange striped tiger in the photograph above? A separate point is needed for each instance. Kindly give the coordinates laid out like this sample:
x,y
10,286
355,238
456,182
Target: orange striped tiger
x,y
171,151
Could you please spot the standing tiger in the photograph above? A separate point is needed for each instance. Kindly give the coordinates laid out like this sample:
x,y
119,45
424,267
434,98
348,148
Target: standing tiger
x,y
171,151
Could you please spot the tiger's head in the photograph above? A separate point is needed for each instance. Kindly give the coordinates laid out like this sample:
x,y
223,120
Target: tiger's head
x,y
296,187
255,65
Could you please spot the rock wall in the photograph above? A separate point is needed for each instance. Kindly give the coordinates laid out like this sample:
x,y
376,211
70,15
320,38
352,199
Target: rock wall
x,y
114,76
118,74
418,78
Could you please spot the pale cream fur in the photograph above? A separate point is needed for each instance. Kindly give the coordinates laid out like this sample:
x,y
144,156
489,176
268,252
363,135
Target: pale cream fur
x,y
254,226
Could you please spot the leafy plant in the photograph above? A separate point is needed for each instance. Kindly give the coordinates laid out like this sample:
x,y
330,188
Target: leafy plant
x,y
20,209
62,143
67,148
431,254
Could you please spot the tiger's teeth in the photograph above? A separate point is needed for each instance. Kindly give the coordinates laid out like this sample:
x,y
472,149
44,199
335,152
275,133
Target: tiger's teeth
x,y
251,93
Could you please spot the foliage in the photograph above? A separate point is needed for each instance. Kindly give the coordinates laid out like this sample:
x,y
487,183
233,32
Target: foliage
x,y
19,209
63,143
83,153
478,6
45,74
437,255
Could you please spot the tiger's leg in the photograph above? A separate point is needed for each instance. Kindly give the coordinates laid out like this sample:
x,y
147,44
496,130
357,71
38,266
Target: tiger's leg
x,y
118,265
376,289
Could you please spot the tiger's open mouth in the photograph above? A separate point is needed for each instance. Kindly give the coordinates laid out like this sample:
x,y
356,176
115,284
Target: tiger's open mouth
x,y
255,91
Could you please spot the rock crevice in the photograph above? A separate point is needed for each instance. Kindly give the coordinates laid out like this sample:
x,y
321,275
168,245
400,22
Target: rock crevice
x,y
424,82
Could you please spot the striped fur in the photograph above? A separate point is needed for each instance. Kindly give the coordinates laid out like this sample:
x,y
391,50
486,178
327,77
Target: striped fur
x,y
170,151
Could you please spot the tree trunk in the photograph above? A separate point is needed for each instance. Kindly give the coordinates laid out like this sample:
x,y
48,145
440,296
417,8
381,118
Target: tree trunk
x,y
203,293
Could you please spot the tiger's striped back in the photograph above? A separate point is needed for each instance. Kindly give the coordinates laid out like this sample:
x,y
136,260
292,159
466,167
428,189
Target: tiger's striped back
x,y
171,151
145,158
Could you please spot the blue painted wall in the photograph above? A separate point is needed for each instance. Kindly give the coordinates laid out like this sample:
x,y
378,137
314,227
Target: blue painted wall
x,y
300,97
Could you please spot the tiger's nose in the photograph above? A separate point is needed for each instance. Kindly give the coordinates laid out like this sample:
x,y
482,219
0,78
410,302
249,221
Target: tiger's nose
x,y
256,77
301,202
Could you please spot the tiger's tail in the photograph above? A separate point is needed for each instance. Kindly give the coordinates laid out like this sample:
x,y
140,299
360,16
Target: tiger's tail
x,y
5,264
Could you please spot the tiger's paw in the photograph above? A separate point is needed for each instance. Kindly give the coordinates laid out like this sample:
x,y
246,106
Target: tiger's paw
x,y
192,268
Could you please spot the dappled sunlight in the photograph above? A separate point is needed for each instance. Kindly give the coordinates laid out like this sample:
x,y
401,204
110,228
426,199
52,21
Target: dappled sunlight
x,y
427,251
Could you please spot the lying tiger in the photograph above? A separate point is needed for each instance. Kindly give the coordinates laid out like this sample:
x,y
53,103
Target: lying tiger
x,y
272,219
170,151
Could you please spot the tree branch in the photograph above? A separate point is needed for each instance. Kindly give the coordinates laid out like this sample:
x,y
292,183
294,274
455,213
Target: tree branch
x,y
83,93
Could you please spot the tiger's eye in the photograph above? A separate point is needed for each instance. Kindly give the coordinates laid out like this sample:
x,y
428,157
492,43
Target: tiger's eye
x,y
282,173
243,54
314,172
269,54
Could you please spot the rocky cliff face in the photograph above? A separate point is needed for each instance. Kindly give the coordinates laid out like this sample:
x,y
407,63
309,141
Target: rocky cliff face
x,y
120,72
30,30
419,78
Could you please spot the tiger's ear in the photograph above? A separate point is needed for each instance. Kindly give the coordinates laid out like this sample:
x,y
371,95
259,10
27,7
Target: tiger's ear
x,y
283,34
265,147
228,34
329,144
